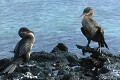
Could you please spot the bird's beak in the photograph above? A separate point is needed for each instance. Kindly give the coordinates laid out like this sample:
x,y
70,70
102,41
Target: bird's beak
x,y
31,31
82,15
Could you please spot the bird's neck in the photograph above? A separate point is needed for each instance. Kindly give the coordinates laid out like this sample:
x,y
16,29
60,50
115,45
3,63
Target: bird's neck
x,y
90,15
31,37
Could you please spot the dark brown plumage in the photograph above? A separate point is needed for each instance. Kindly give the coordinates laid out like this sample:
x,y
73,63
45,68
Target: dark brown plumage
x,y
91,29
22,49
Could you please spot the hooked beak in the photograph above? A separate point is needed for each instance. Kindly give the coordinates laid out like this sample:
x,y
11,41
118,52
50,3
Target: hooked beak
x,y
28,32
31,31
82,15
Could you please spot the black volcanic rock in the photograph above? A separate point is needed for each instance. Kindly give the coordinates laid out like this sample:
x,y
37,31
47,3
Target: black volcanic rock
x,y
60,47
63,65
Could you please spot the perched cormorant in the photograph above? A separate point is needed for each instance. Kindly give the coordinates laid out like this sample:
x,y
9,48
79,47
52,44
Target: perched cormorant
x,y
22,49
91,29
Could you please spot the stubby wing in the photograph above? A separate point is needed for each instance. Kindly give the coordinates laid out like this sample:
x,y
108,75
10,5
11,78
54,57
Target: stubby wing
x,y
99,37
25,49
88,24
85,33
94,22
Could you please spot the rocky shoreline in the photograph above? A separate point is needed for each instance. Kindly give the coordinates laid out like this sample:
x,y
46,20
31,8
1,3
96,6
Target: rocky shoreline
x,y
60,64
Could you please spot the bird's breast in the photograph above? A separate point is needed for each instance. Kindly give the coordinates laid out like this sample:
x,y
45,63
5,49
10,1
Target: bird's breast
x,y
89,27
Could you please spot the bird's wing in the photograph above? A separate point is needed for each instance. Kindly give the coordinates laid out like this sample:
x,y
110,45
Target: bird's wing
x,y
96,25
93,22
89,24
85,32
25,48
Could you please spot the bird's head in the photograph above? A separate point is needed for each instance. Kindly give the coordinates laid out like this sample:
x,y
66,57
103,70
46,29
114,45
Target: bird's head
x,y
25,32
88,12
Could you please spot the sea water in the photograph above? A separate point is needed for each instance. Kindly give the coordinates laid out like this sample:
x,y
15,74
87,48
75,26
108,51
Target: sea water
x,y
56,21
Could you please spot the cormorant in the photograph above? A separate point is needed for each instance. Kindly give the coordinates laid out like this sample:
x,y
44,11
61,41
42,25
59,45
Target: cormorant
x,y
91,29
22,50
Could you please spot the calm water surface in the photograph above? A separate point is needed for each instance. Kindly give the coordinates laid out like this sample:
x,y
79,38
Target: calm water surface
x,y
56,21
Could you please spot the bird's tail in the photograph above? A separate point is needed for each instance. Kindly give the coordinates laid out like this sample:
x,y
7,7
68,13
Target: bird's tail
x,y
102,39
13,66
104,44
10,68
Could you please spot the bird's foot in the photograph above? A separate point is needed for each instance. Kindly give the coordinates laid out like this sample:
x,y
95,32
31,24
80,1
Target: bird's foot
x,y
84,50
87,47
99,50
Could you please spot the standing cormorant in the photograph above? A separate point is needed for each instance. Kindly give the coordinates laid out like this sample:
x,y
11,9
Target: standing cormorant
x,y
91,29
22,49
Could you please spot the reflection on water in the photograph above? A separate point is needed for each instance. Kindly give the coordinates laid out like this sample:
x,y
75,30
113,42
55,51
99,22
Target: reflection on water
x,y
56,21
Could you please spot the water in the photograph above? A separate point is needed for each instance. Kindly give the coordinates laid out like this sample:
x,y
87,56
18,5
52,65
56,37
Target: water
x,y
56,21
